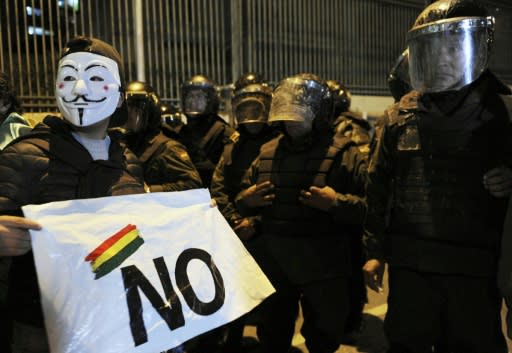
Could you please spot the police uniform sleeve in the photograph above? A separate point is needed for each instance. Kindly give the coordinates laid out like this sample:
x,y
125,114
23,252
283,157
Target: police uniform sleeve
x,y
350,205
218,192
180,173
378,191
250,178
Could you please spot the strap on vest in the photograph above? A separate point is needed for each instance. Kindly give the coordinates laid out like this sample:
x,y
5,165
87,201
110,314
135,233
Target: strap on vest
x,y
212,134
157,143
339,143
268,151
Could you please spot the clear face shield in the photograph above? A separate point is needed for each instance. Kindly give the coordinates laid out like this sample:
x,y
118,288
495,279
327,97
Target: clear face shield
x,y
137,104
251,106
449,54
297,100
196,102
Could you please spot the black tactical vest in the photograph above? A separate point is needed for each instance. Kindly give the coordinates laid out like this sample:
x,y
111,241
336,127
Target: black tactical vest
x,y
438,189
292,171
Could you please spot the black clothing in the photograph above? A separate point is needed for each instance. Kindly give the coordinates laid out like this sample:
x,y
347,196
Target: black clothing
x,y
353,125
428,210
305,252
426,308
167,166
233,164
289,226
205,138
49,165
433,164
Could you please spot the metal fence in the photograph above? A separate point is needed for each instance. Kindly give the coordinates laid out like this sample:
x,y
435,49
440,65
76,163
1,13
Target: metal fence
x,y
166,42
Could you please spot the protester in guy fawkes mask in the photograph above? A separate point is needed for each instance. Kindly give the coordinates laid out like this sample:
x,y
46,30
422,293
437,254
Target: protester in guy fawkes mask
x,y
441,165
308,187
62,159
205,133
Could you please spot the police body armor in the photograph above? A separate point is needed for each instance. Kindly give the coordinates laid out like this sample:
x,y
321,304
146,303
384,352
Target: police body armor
x,y
297,171
238,157
438,192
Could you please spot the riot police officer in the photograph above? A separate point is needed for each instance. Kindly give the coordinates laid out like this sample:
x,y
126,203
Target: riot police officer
x,y
347,122
205,133
308,186
440,159
250,107
166,164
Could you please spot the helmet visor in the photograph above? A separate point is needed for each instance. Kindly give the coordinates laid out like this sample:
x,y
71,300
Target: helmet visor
x,y
449,54
296,100
251,108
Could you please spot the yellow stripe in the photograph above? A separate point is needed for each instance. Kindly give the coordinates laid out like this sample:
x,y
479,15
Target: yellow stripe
x,y
115,248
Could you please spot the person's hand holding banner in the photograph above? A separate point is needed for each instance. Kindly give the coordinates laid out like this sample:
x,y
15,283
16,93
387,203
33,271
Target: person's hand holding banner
x,y
139,273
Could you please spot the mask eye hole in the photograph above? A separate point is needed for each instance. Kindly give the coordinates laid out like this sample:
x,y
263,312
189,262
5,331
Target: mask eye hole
x,y
97,79
69,78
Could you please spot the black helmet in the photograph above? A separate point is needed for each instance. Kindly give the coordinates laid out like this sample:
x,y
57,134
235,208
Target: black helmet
x,y
248,79
342,98
449,45
193,107
141,95
399,82
302,97
251,103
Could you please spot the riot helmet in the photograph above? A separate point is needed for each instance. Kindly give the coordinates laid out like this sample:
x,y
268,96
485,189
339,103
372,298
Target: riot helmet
x,y
305,99
248,78
449,45
143,105
251,104
199,97
399,82
342,98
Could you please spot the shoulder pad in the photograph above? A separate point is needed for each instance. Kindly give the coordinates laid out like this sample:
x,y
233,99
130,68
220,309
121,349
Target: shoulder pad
x,y
395,116
234,136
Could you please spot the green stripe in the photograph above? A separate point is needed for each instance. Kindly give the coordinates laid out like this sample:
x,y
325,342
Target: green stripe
x,y
109,265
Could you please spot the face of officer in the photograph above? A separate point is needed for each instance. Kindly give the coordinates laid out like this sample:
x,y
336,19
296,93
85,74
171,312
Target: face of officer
x,y
87,88
298,129
196,102
135,119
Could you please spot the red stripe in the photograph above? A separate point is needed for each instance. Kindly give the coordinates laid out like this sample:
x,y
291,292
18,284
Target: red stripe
x,y
109,242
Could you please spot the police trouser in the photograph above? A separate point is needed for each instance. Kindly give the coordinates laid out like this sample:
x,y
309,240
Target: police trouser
x,y
461,312
325,307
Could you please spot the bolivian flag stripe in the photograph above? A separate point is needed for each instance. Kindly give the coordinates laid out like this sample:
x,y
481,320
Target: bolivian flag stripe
x,y
113,251
115,261
107,243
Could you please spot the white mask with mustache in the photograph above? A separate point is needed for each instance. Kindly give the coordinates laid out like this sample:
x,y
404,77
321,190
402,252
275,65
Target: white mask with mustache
x,y
87,88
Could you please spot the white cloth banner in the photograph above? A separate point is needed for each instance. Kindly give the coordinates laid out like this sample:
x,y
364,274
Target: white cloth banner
x,y
106,266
